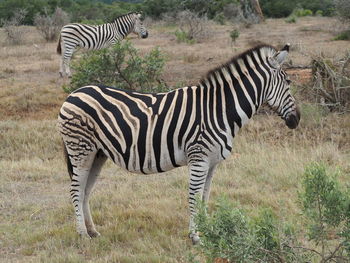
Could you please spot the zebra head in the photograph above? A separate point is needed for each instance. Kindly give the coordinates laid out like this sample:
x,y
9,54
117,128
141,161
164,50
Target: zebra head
x,y
139,28
279,96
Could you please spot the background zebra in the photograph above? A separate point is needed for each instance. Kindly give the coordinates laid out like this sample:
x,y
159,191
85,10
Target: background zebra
x,y
96,37
151,133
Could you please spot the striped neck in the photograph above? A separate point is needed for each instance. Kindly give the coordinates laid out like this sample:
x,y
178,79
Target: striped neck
x,y
241,86
124,24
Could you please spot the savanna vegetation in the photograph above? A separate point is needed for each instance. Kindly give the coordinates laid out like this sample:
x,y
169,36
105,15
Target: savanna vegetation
x,y
283,195
107,10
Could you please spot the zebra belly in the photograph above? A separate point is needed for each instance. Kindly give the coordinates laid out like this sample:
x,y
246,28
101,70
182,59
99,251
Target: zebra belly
x,y
148,164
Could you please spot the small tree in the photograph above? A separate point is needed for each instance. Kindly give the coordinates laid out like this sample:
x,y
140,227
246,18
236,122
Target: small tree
x,y
13,31
234,34
120,66
193,26
50,26
327,208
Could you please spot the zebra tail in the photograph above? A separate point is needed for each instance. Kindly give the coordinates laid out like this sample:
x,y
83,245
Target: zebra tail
x,y
69,164
59,50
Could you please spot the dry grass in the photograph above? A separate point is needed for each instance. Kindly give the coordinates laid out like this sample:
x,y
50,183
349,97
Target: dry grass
x,y
144,218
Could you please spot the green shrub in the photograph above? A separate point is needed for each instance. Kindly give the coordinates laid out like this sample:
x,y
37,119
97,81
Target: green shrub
x,y
283,8
300,12
327,208
182,37
319,13
225,234
345,35
234,34
291,19
220,19
229,234
120,66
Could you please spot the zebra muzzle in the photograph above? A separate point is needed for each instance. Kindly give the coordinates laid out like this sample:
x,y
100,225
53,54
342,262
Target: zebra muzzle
x,y
293,119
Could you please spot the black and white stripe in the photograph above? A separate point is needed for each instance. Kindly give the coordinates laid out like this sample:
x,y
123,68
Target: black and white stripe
x,y
152,133
96,37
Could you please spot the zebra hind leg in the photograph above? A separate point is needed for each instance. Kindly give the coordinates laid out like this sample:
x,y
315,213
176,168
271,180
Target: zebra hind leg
x,y
80,160
67,54
99,160
62,67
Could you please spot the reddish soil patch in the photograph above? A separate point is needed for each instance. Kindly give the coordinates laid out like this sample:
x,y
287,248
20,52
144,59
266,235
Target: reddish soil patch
x,y
300,76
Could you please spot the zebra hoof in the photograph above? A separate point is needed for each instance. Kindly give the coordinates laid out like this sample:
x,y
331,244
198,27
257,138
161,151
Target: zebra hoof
x,y
84,236
194,238
61,74
93,233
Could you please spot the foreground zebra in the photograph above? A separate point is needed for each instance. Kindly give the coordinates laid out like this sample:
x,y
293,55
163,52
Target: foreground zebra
x,y
96,37
152,133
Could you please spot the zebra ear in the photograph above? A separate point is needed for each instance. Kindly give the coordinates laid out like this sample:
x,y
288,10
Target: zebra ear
x,y
280,57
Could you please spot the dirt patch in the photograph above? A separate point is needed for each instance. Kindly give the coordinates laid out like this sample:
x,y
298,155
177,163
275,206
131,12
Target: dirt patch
x,y
300,76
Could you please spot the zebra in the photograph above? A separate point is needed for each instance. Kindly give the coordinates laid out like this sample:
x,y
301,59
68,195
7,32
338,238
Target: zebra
x,y
96,37
156,132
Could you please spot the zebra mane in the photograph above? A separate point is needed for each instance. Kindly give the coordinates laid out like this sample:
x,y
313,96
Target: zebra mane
x,y
246,53
130,13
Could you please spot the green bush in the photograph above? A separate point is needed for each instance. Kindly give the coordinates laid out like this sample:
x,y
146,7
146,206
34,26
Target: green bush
x,y
220,19
234,34
120,66
77,10
326,206
291,19
225,234
283,8
300,12
345,35
182,36
319,13
229,234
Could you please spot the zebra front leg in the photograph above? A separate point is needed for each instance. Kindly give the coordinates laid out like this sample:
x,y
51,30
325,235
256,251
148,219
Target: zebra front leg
x,y
207,184
198,176
100,159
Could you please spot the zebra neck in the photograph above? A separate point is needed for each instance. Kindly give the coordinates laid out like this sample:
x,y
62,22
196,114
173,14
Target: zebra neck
x,y
238,95
123,27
